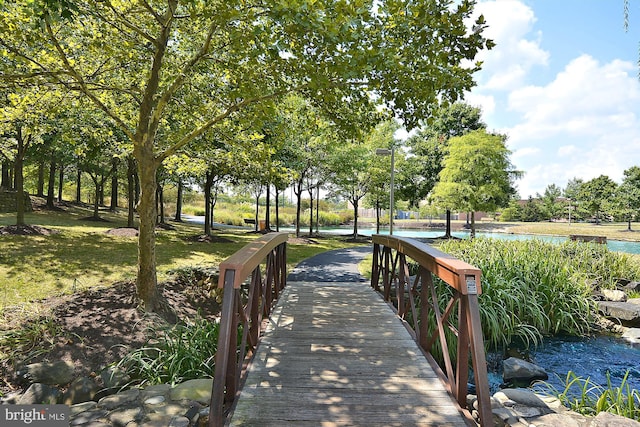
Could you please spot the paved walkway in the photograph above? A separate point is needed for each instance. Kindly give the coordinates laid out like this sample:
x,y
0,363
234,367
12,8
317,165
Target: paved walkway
x,y
335,354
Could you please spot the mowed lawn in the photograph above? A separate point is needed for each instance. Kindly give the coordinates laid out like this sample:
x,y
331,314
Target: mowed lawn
x,y
82,254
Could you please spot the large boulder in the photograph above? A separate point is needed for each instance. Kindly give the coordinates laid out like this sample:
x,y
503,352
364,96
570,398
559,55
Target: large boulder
x,y
520,372
55,373
627,313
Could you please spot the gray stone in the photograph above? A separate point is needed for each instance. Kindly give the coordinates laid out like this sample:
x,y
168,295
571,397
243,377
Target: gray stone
x,y
78,408
557,420
123,416
114,377
170,409
632,287
88,417
518,370
157,420
154,400
605,419
631,335
80,390
627,312
38,393
119,399
155,390
634,301
521,396
614,295
56,373
198,390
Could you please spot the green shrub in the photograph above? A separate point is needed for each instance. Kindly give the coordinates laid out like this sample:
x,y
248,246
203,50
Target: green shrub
x,y
532,288
583,396
176,354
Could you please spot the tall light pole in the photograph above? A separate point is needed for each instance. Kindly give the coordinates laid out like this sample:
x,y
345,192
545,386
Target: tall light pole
x,y
387,152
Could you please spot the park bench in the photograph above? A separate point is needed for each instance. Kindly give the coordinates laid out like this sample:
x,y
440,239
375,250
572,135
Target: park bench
x,y
249,221
583,238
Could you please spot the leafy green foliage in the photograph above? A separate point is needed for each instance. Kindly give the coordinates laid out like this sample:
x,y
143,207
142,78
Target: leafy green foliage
x,y
532,288
583,396
179,353
36,337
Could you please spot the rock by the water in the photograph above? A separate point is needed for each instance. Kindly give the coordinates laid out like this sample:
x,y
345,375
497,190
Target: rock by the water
x,y
80,390
520,371
39,393
631,335
614,295
605,419
119,399
56,373
626,312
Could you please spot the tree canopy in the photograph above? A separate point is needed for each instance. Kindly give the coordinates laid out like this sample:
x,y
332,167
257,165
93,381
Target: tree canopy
x,y
166,72
477,174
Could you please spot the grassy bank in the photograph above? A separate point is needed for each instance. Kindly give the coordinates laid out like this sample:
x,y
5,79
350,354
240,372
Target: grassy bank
x,y
80,253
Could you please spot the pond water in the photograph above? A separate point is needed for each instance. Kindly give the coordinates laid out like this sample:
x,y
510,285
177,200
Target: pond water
x,y
614,245
593,358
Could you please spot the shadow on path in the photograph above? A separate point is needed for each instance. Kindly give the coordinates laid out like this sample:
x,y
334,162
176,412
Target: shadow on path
x,y
340,265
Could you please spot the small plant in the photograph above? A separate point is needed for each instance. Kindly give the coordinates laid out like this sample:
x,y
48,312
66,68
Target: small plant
x,y
583,396
176,354
37,337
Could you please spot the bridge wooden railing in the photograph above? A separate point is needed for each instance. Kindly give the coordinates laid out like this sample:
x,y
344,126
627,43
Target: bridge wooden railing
x,y
247,309
418,303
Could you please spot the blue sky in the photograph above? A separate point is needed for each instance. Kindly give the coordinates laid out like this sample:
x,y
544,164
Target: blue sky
x,y
562,83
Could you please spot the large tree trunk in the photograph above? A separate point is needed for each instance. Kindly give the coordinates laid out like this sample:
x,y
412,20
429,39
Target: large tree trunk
x,y
78,183
60,182
277,210
6,175
96,201
267,215
447,233
51,185
19,178
178,216
355,218
297,189
310,190
147,277
473,225
160,202
40,189
114,184
208,183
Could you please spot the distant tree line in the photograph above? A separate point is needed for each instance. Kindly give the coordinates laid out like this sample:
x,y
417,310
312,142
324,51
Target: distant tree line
x,y
599,199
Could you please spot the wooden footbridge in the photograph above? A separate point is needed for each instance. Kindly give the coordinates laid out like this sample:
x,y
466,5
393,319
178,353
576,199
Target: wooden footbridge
x,y
345,353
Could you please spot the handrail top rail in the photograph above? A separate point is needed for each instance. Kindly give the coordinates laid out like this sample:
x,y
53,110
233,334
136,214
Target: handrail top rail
x,y
244,261
449,268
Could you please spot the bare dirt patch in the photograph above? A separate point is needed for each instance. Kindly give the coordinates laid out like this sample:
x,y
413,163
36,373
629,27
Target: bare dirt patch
x,y
26,230
97,327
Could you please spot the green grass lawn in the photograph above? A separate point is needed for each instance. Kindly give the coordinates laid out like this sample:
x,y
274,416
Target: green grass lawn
x,y
81,254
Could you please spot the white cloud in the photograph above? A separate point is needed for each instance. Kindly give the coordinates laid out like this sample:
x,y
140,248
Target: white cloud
x,y
507,65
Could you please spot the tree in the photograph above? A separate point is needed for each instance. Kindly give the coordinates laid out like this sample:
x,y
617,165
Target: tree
x,y
596,194
201,62
627,197
428,148
350,174
477,174
382,137
552,208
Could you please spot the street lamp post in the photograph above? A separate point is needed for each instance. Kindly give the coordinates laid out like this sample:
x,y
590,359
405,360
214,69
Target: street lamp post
x,y
387,152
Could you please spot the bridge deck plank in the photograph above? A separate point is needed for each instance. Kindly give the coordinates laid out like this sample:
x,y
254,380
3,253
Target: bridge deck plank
x,y
336,354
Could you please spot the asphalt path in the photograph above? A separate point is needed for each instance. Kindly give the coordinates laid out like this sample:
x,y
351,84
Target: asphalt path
x,y
340,265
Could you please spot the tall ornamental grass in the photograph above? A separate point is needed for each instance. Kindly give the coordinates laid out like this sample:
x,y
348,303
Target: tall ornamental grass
x,y
583,396
532,288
